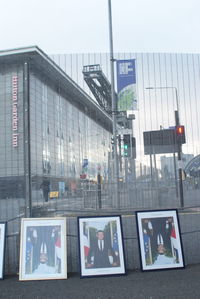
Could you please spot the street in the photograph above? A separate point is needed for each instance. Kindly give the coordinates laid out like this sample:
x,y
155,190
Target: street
x,y
182,283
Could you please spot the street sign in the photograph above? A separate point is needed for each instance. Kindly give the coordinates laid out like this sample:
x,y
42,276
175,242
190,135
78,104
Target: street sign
x,y
160,142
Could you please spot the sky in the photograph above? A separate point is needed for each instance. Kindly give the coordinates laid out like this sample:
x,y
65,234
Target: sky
x,y
81,26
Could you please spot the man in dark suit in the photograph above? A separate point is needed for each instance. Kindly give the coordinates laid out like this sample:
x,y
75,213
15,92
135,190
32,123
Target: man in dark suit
x,y
101,254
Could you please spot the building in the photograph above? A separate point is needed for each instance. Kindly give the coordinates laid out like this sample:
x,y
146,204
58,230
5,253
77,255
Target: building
x,y
167,164
49,127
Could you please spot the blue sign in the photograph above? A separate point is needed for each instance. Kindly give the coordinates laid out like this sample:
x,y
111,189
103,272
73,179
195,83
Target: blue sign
x,y
85,163
126,85
61,187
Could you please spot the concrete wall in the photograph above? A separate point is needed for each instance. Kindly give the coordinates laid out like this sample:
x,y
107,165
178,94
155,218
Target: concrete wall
x,y
190,232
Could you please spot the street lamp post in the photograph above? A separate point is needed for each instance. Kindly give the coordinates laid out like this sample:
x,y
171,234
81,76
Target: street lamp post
x,y
177,123
114,105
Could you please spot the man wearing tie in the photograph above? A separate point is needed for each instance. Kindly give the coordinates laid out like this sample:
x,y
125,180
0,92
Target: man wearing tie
x,y
101,255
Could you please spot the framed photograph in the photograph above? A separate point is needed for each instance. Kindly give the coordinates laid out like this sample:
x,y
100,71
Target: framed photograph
x,y
2,247
159,240
101,246
43,253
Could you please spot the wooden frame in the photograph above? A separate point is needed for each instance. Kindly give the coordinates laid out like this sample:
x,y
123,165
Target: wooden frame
x,y
159,240
43,253
101,248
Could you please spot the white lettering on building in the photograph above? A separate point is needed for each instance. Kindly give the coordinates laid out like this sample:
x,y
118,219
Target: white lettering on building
x,y
15,111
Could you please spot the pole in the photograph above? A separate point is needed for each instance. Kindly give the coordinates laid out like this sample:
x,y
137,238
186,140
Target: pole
x,y
120,155
151,169
156,171
114,106
99,191
27,147
177,122
175,174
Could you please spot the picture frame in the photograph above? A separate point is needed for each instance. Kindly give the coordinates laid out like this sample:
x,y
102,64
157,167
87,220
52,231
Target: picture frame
x,y
2,248
43,249
101,248
160,242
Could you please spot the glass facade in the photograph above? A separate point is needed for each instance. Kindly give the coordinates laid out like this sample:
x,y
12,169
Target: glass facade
x,y
69,138
63,137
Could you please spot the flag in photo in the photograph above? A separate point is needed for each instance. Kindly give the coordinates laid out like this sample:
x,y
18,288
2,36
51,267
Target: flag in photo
x,y
147,248
29,247
174,244
146,243
58,254
114,237
86,239
115,242
58,247
29,255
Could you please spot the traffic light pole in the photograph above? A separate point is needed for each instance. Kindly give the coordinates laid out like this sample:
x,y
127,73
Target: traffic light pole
x,y
114,107
177,122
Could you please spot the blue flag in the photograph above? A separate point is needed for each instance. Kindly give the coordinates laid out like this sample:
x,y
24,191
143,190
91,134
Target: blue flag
x,y
115,242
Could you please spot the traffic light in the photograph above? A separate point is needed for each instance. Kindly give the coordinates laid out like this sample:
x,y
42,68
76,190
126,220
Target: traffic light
x,y
127,145
180,135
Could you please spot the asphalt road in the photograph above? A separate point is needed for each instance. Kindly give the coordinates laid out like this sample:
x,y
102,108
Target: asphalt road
x,y
181,283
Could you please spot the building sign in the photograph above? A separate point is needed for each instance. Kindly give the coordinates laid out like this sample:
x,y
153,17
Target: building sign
x,y
15,111
126,85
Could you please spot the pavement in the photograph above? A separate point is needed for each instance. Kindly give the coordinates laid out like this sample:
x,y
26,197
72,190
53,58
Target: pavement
x,y
176,283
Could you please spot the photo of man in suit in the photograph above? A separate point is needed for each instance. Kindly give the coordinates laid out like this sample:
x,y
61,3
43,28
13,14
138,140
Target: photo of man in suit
x,y
101,254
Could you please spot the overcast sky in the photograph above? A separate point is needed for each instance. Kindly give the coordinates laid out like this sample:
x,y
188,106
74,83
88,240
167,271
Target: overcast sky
x,y
81,26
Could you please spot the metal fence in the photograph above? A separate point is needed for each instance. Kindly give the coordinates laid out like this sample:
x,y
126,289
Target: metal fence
x,y
150,186
103,197
101,200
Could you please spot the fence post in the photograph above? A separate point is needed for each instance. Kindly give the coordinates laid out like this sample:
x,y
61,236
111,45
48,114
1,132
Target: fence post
x,y
99,191
27,150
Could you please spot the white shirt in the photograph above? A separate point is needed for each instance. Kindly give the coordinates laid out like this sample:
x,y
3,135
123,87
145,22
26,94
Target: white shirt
x,y
101,244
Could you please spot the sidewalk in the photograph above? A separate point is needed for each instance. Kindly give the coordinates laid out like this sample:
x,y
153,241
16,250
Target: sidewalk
x,y
181,283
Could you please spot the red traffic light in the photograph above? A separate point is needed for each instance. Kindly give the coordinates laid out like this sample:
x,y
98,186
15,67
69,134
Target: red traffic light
x,y
180,130
180,135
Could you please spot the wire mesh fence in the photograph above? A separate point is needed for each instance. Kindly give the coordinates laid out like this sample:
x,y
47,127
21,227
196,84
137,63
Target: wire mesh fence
x,y
88,205
104,197
66,136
